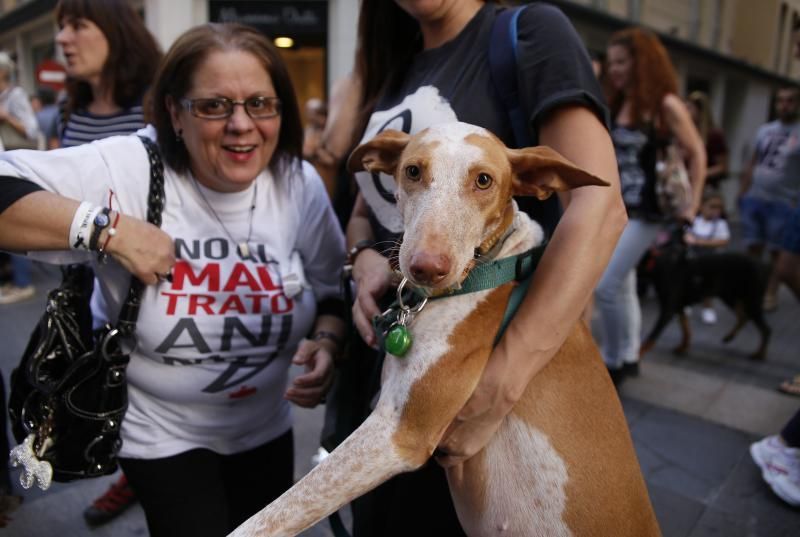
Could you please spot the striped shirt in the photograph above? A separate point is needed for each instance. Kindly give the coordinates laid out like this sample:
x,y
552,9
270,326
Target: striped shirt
x,y
83,127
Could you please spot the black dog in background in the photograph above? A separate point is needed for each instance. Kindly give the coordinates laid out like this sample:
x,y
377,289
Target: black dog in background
x,y
682,278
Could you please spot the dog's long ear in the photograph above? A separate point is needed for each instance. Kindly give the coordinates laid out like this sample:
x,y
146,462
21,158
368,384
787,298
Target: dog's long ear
x,y
379,154
539,171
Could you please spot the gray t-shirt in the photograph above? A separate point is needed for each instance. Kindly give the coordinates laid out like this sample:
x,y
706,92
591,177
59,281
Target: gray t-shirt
x,y
776,175
453,83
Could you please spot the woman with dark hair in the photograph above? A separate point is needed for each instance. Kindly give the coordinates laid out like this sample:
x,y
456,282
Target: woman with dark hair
x,y
111,59
646,113
243,275
423,63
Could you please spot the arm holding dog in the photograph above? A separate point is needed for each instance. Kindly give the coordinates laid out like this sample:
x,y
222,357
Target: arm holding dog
x,y
570,268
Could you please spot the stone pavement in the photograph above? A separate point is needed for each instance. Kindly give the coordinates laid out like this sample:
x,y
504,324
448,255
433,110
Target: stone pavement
x,y
692,419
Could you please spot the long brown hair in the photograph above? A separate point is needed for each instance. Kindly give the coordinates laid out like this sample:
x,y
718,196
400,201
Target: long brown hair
x,y
133,54
176,75
388,39
652,78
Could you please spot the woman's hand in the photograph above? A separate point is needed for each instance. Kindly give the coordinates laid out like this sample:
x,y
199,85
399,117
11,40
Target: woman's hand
x,y
373,277
308,389
142,248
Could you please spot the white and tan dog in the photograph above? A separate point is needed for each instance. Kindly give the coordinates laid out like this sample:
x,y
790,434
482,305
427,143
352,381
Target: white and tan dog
x,y
562,463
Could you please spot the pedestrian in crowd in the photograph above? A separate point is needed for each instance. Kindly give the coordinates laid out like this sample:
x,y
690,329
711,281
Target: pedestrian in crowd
x,y
18,130
641,87
337,141
767,194
316,114
778,457
207,437
47,116
709,233
111,59
422,64
713,137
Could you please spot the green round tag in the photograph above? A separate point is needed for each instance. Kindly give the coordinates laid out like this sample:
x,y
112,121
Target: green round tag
x,y
398,340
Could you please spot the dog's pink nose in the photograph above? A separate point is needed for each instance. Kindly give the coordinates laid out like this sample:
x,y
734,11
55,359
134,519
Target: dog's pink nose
x,y
429,268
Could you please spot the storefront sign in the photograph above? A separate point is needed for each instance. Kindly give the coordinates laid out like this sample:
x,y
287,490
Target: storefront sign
x,y
297,18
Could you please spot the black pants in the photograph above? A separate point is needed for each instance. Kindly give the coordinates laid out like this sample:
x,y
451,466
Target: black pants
x,y
5,477
791,431
200,493
415,504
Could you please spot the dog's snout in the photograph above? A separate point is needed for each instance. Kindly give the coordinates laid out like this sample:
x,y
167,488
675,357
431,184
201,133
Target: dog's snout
x,y
429,269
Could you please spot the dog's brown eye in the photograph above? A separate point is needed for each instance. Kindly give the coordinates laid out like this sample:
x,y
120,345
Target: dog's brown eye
x,y
483,181
412,172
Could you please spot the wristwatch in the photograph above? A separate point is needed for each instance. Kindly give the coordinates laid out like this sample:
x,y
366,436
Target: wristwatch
x,y
100,222
357,248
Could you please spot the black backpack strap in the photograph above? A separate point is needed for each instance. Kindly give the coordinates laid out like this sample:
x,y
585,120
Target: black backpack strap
x,y
503,69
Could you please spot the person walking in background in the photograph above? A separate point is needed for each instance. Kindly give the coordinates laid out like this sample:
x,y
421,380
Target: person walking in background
x,y
641,88
18,126
111,59
207,436
767,193
18,130
709,233
420,64
699,107
316,116
778,457
47,116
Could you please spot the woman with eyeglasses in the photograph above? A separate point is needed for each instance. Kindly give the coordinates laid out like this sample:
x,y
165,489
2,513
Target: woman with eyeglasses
x,y
242,274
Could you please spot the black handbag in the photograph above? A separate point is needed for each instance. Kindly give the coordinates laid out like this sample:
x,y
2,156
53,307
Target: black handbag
x,y
69,392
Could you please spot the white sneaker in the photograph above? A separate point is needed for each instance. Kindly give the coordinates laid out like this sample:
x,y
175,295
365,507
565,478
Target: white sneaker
x,y
708,315
780,467
11,294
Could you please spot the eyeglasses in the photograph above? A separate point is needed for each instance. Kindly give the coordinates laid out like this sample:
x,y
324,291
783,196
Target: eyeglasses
x,y
222,107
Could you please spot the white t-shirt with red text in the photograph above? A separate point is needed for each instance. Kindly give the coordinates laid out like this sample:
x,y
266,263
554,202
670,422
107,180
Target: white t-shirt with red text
x,y
215,344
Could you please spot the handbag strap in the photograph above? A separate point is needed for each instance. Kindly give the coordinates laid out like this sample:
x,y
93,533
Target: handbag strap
x,y
503,72
126,323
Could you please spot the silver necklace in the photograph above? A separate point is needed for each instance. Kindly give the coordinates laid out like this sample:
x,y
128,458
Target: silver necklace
x,y
242,247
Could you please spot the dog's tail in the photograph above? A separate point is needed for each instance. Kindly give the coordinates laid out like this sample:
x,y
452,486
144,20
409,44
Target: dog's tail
x,y
367,458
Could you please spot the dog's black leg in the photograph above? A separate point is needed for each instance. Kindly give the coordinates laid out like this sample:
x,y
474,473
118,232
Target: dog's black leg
x,y
686,335
756,313
741,318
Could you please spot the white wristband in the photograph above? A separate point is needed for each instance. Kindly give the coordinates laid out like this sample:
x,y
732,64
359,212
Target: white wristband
x,y
81,228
